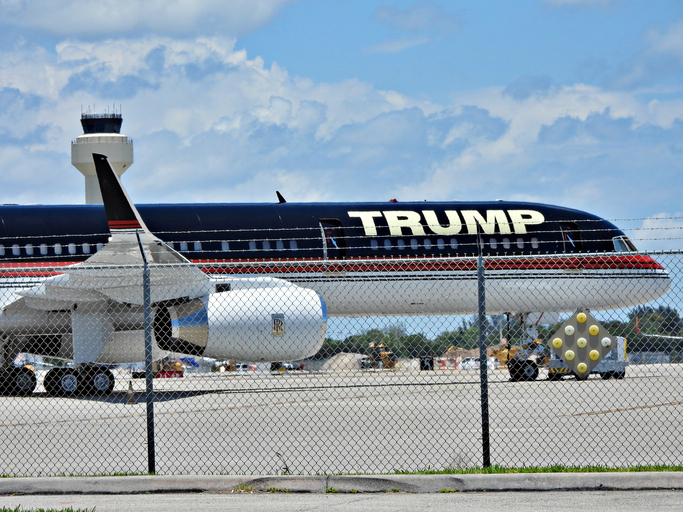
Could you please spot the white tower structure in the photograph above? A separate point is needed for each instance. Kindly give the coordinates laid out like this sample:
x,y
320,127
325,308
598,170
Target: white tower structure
x,y
101,134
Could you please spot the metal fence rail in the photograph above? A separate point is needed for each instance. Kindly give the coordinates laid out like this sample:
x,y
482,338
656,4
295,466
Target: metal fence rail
x,y
260,375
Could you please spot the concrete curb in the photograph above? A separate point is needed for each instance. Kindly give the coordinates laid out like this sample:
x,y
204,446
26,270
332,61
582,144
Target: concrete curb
x,y
344,484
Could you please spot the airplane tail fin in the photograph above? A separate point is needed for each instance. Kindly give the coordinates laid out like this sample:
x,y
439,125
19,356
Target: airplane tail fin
x,y
121,214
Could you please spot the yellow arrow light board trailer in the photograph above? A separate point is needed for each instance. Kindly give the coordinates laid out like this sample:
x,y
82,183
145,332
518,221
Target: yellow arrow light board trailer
x,y
612,366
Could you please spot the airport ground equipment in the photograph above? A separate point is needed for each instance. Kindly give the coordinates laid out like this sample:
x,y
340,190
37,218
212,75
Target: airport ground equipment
x,y
582,343
613,365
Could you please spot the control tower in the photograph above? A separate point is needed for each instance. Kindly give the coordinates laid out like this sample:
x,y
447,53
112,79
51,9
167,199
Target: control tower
x,y
101,134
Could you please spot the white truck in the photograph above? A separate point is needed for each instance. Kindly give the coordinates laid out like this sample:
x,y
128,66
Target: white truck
x,y
613,365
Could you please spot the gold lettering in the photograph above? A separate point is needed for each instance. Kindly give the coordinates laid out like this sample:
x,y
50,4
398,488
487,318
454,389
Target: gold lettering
x,y
523,218
368,220
488,224
399,219
454,223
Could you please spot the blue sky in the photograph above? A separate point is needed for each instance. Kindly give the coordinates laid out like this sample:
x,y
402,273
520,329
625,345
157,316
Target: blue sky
x,y
570,102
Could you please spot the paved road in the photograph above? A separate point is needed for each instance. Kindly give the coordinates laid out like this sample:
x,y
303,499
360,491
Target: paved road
x,y
363,422
595,501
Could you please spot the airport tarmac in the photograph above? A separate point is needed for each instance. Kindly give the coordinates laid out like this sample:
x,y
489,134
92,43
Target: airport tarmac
x,y
354,422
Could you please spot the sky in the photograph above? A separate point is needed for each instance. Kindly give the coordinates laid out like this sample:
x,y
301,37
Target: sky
x,y
577,103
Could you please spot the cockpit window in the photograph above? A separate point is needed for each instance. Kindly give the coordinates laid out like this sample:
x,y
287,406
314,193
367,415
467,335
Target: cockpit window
x,y
623,244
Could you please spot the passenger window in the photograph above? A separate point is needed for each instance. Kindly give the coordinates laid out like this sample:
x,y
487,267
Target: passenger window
x,y
534,243
493,243
252,246
43,249
266,245
413,244
2,250
58,248
520,243
400,244
100,246
506,243
428,243
29,249
225,246
454,243
440,243
198,247
279,245
72,248
16,250
374,245
183,246
86,248
293,245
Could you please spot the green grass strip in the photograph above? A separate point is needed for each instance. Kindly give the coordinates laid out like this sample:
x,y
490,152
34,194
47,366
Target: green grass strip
x,y
498,470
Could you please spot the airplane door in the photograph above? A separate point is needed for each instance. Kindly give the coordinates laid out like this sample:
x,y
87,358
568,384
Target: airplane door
x,y
333,240
571,237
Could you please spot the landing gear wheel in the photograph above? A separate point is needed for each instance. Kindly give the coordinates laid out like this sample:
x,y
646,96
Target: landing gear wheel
x,y
99,381
66,382
19,381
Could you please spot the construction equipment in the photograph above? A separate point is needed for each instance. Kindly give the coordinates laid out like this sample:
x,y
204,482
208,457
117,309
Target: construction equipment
x,y
382,356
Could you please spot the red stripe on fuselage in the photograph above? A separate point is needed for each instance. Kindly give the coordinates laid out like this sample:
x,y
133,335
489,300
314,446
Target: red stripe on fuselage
x,y
285,266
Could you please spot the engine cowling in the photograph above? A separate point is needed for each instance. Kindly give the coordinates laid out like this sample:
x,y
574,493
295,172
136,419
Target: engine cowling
x,y
264,324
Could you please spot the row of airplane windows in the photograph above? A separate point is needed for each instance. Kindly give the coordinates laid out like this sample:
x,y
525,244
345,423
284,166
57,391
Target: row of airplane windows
x,y
265,245
44,249
506,243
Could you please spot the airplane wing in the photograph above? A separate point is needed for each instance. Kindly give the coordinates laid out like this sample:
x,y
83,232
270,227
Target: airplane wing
x,y
115,271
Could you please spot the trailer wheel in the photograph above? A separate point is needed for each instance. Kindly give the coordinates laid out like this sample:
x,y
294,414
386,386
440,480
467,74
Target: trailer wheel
x,y
619,375
514,367
530,370
607,375
554,376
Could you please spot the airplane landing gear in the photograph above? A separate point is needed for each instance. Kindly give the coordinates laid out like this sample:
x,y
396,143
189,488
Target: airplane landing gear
x,y
17,381
88,380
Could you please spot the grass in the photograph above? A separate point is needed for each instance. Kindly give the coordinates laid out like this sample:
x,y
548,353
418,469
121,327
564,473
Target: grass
x,y
497,470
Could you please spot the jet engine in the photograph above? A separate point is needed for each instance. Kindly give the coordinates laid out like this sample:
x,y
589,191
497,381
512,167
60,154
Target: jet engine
x,y
263,324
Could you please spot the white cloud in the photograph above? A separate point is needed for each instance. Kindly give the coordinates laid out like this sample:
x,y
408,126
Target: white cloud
x,y
663,231
396,45
116,17
668,42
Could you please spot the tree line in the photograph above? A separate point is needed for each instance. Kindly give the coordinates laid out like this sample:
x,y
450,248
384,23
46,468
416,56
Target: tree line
x,y
645,329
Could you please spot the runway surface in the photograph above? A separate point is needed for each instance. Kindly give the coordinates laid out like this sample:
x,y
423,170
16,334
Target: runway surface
x,y
363,421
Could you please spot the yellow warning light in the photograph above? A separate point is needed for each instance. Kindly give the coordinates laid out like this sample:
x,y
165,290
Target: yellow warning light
x,y
581,367
606,342
581,343
569,355
594,355
569,330
557,343
594,330
581,318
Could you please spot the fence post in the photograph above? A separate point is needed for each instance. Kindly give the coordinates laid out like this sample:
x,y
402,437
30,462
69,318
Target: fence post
x,y
483,361
149,370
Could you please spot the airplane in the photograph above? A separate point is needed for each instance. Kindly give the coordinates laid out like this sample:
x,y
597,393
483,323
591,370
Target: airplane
x,y
252,268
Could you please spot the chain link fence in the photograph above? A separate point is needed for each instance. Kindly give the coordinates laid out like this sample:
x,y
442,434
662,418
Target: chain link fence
x,y
260,374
